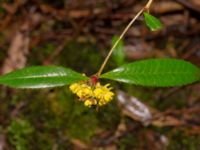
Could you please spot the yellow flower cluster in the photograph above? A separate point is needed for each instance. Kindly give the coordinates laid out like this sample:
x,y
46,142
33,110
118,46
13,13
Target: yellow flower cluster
x,y
92,94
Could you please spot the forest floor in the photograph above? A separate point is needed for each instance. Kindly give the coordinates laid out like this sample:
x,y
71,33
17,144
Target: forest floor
x,y
78,34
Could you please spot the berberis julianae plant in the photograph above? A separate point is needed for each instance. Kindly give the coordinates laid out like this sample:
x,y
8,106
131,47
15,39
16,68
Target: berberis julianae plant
x,y
162,72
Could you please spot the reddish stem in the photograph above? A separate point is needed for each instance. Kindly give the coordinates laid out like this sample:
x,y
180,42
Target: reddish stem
x,y
94,79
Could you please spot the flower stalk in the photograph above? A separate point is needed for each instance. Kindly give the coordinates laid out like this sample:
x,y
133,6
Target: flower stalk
x,y
146,7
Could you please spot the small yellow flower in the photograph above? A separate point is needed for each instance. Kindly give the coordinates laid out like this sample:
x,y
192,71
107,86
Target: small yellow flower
x,y
92,94
90,102
74,87
81,89
103,93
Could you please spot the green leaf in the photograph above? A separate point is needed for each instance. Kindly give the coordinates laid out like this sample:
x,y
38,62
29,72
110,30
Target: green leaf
x,y
41,77
152,22
161,72
118,54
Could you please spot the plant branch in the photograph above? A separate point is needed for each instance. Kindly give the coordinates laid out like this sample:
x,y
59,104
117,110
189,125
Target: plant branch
x,y
146,7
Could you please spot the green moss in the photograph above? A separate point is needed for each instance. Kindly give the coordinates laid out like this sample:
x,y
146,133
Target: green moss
x,y
19,133
81,122
109,116
179,140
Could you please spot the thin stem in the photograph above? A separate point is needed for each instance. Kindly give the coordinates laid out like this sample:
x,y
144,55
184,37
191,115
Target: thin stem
x,y
122,35
148,4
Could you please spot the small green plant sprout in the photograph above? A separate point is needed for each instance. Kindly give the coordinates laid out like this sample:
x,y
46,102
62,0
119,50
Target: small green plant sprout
x,y
152,22
161,72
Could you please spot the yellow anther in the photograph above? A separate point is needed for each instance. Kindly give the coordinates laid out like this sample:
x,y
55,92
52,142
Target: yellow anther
x,y
88,103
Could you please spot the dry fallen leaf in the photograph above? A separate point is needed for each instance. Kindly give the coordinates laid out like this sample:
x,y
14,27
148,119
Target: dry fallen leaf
x,y
134,108
137,110
18,50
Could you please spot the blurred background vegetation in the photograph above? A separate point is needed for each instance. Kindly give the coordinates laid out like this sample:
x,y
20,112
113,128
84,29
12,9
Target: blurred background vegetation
x,y
78,34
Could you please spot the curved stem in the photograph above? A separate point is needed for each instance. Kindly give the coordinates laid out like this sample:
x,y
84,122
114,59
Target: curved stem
x,y
122,35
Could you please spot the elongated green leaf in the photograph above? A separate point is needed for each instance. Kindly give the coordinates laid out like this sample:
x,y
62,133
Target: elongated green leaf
x,y
41,77
161,72
118,54
152,22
